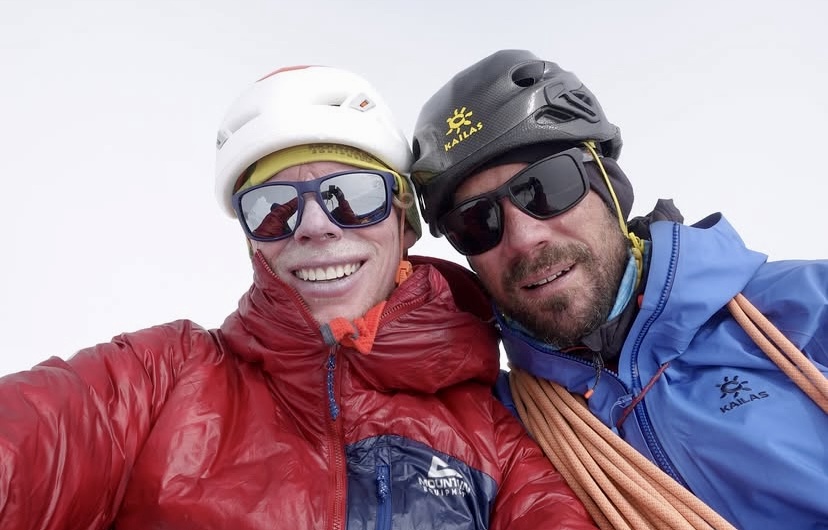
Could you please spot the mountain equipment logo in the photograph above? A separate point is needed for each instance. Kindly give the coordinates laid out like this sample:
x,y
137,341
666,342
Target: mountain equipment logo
x,y
440,469
462,127
443,480
734,387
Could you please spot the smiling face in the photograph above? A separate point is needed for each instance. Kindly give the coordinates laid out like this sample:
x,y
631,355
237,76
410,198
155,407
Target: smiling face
x,y
559,276
339,272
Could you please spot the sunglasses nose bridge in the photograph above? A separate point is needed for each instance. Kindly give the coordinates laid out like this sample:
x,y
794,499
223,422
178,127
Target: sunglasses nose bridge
x,y
314,218
519,230
510,210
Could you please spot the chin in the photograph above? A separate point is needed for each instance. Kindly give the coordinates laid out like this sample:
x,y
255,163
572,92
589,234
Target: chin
x,y
330,313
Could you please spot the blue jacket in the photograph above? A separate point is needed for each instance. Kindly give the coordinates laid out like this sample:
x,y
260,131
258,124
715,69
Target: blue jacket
x,y
720,418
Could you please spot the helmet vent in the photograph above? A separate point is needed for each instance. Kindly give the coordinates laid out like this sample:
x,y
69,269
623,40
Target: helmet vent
x,y
528,74
554,115
583,97
581,105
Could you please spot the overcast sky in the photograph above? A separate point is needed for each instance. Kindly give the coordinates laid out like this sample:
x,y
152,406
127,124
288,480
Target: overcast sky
x,y
109,109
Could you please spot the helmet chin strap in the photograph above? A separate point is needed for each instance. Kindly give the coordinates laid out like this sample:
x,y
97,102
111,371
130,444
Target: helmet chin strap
x,y
404,270
637,245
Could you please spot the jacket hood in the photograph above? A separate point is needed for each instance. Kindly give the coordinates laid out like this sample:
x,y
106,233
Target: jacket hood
x,y
424,342
709,254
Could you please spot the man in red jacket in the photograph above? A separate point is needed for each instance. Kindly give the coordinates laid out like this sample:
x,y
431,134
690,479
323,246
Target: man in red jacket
x,y
349,390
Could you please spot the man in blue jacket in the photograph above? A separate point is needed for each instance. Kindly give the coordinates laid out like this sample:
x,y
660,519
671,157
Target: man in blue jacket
x,y
633,318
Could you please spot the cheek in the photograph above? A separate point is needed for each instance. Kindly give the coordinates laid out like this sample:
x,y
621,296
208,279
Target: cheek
x,y
486,266
389,246
386,234
270,251
386,242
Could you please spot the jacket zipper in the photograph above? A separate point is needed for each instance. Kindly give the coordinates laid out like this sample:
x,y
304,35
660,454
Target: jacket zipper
x,y
641,415
391,314
383,497
336,445
330,384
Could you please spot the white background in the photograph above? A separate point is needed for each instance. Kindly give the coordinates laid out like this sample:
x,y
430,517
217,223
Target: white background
x,y
108,114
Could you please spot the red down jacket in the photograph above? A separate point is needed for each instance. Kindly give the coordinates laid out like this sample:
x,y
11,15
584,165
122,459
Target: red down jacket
x,y
261,425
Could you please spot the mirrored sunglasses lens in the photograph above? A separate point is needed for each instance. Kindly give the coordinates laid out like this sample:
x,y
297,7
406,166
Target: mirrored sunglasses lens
x,y
473,227
549,187
356,199
270,212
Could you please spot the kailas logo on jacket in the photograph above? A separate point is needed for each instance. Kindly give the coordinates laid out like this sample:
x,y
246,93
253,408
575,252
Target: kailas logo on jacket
x,y
738,392
443,480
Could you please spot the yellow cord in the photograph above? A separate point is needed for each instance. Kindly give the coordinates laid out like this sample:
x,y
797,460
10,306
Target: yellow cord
x,y
636,242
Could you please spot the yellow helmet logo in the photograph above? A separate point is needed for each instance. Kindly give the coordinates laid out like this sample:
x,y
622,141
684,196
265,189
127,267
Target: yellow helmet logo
x,y
461,125
458,120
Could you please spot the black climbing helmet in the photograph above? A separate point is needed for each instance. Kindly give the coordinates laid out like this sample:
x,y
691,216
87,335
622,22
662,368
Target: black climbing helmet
x,y
508,100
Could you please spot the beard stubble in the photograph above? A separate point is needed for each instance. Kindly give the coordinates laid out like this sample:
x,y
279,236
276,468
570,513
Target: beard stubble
x,y
564,318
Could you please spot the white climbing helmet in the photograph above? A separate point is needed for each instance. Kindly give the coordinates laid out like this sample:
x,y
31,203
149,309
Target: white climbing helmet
x,y
305,105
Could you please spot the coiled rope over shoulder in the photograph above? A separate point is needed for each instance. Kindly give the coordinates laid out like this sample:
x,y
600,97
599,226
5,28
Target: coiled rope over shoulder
x,y
619,486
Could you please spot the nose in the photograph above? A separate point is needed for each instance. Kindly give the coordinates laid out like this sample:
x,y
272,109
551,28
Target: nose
x,y
522,233
315,224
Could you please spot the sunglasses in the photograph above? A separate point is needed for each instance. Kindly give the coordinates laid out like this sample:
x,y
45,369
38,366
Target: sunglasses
x,y
351,199
547,188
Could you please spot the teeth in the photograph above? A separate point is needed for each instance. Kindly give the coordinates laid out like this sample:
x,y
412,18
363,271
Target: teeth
x,y
331,272
547,280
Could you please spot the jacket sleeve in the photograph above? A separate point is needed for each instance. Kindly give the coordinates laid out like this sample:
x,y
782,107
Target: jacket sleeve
x,y
71,430
532,494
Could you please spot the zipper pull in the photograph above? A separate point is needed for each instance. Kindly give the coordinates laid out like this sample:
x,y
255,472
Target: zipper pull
x,y
598,361
334,408
383,482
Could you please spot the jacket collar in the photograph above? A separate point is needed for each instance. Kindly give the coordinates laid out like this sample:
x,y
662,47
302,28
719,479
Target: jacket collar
x,y
423,341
